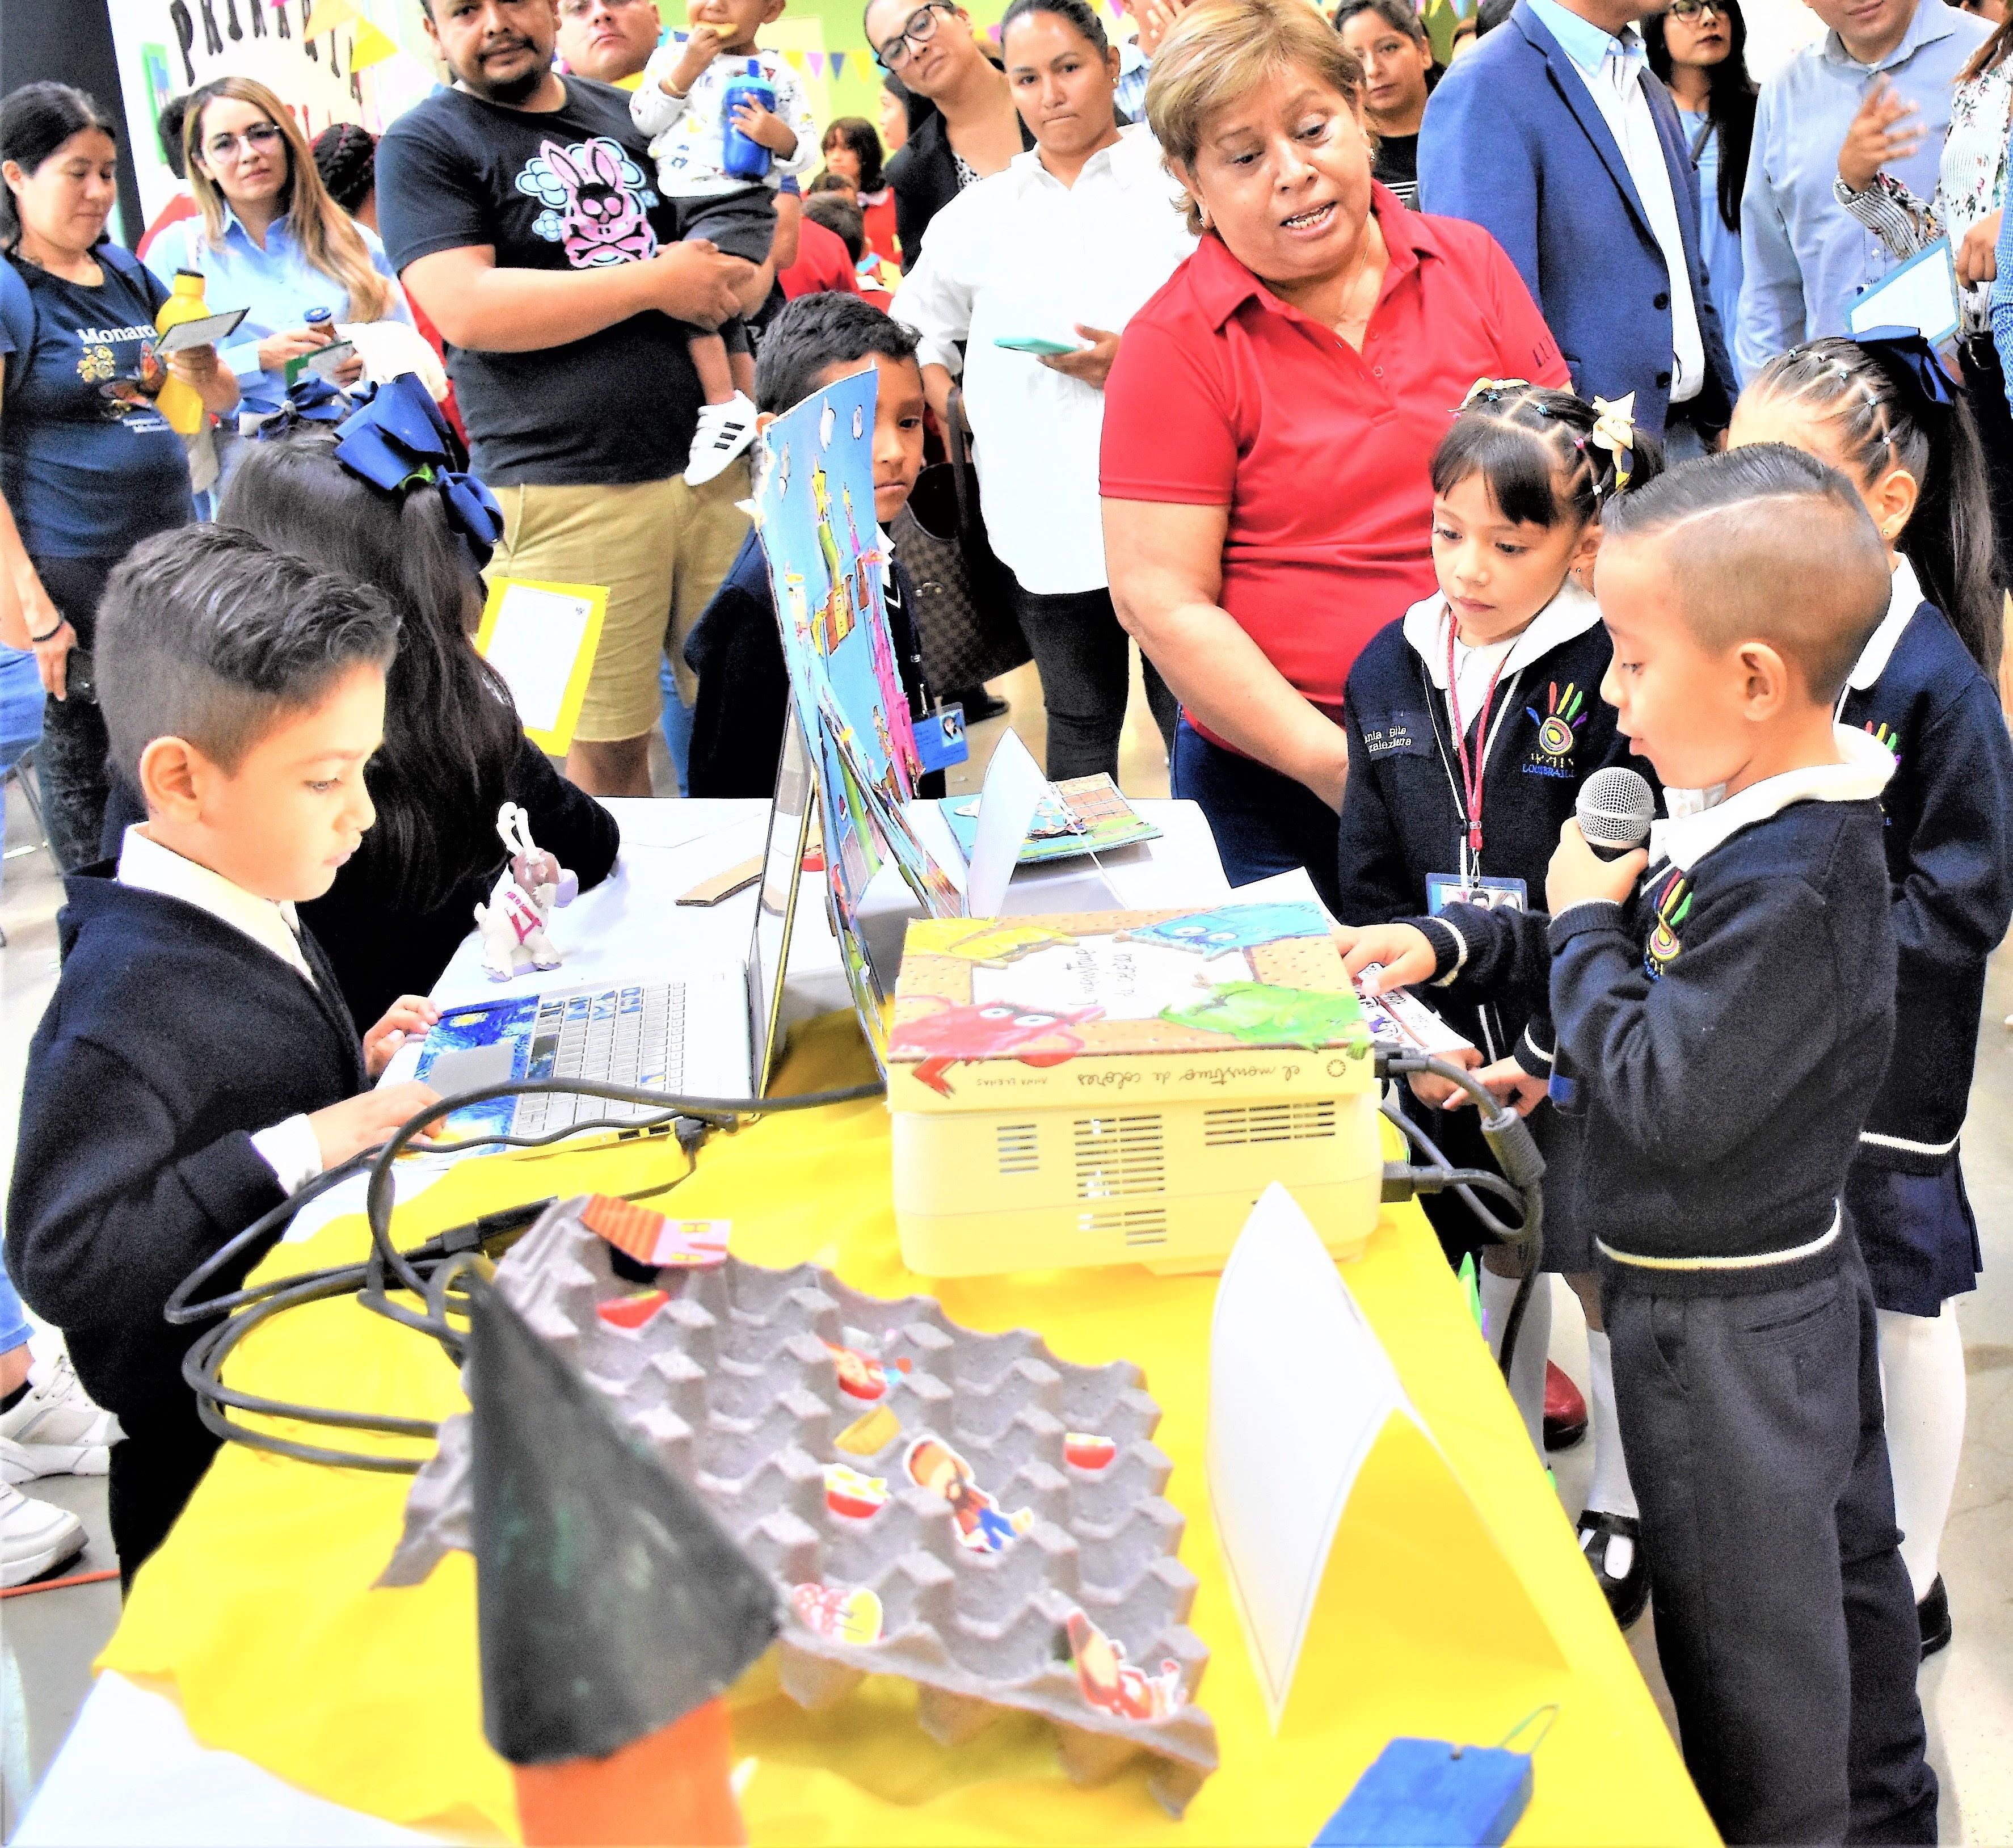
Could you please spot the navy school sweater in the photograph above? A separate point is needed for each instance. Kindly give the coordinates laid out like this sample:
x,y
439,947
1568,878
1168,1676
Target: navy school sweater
x,y
1949,841
1403,811
1729,1027
172,1039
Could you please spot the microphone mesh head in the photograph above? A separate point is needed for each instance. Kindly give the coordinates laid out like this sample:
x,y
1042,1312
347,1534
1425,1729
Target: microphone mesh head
x,y
1615,808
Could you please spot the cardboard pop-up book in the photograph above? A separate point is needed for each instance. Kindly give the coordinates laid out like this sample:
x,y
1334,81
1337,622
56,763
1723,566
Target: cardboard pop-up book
x,y
1114,1087
960,1509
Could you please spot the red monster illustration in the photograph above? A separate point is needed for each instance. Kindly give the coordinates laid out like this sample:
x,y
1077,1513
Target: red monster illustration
x,y
956,1035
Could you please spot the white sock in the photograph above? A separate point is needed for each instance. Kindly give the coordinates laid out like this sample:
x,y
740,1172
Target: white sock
x,y
1609,1493
1922,1376
1533,1342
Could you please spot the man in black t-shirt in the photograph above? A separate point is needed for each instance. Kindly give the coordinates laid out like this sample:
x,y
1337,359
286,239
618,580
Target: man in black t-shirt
x,y
520,210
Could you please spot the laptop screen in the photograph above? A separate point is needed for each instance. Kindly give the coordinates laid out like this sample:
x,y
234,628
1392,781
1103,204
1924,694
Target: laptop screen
x,y
776,902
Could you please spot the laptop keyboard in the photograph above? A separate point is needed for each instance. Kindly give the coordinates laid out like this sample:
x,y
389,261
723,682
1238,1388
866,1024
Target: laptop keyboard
x,y
630,1035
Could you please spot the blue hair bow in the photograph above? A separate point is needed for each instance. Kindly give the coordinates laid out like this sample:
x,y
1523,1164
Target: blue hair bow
x,y
1910,363
396,437
309,400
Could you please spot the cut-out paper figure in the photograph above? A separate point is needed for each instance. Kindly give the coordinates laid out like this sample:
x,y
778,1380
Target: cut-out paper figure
x,y
956,1035
838,1615
853,1494
861,1375
1111,1684
1215,933
1087,1451
631,1314
870,1433
981,1525
1264,1014
651,1238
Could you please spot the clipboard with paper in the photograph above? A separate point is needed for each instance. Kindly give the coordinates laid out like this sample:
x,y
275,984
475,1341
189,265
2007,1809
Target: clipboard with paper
x,y
541,637
1921,294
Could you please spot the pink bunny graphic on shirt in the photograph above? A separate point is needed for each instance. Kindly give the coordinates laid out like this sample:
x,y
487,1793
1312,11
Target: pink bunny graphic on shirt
x,y
594,197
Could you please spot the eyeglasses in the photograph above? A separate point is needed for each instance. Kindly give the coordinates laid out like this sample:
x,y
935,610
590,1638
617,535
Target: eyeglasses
x,y
1692,9
260,135
916,32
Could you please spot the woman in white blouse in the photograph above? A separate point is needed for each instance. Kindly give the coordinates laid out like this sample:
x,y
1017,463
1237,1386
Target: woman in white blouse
x,y
1060,251
1969,203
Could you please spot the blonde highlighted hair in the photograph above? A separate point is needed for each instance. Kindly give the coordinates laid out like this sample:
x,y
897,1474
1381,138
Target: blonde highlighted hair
x,y
327,238
1220,50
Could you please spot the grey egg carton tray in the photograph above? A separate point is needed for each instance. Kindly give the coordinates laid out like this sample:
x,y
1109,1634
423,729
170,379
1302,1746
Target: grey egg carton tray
x,y
733,1385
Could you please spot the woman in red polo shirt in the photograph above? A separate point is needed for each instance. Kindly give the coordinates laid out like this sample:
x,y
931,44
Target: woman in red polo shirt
x,y
1270,419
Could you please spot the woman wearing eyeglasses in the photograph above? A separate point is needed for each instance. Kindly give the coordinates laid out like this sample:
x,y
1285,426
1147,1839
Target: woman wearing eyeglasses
x,y
1700,49
271,240
974,130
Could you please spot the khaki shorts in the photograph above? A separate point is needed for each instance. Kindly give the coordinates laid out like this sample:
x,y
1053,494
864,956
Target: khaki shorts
x,y
659,547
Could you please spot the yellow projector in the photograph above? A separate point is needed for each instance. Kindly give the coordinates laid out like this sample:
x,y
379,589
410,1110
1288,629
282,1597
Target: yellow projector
x,y
1119,1087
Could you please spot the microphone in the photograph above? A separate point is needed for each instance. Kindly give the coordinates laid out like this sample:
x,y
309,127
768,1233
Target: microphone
x,y
1615,808
1614,811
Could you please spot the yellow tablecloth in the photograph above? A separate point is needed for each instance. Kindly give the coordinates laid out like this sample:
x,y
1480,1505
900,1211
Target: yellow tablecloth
x,y
258,1613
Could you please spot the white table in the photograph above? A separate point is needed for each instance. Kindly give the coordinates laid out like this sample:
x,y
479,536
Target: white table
x,y
131,1771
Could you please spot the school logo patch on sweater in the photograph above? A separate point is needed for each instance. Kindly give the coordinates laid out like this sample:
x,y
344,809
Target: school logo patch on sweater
x,y
1673,906
1558,731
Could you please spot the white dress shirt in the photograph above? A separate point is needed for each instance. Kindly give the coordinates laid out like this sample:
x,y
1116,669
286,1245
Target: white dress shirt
x,y
1020,254
1614,79
288,1148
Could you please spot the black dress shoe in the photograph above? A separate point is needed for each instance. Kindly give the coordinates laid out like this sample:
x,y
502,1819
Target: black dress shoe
x,y
1629,1594
1933,1615
979,706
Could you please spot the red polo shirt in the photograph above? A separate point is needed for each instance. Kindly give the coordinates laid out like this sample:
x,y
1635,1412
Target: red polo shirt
x,y
1223,395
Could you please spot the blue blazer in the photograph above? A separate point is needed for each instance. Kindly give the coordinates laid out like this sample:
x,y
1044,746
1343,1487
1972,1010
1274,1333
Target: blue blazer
x,y
1512,141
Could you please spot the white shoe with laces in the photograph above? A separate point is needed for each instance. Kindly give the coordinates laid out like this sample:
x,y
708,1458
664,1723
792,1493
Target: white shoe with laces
x,y
725,431
35,1537
55,1430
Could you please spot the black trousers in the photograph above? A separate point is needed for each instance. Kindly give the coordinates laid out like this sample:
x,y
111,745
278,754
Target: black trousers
x,y
1786,1624
1977,359
155,1470
70,760
1082,655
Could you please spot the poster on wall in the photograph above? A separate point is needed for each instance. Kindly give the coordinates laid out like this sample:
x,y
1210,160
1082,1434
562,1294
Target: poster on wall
x,y
328,60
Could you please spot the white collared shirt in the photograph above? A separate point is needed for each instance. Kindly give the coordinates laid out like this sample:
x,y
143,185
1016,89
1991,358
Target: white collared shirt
x,y
1615,81
289,1149
1702,819
1903,601
1571,613
1022,255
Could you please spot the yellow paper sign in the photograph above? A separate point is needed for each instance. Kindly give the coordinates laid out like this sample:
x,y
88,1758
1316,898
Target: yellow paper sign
x,y
542,638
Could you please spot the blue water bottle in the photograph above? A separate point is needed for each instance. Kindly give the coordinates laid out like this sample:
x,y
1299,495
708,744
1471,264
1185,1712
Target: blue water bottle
x,y
743,158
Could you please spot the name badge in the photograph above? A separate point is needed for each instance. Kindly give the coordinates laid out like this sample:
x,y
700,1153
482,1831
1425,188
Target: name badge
x,y
940,739
1443,889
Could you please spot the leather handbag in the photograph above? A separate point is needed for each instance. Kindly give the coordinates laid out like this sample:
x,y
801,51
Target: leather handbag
x,y
965,616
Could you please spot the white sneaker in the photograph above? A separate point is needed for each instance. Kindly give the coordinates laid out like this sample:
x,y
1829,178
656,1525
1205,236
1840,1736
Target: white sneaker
x,y
724,430
35,1537
56,1430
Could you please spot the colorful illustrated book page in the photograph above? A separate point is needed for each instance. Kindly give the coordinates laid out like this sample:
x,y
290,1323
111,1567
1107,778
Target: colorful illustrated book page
x,y
1086,815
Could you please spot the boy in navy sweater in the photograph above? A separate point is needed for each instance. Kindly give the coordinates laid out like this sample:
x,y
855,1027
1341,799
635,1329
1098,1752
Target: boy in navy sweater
x,y
196,1063
1728,1019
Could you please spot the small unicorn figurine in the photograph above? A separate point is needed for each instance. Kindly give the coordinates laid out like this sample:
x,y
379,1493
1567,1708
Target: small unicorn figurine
x,y
513,922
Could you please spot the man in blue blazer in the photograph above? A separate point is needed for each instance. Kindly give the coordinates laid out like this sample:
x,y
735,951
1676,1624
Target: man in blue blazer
x,y
1554,134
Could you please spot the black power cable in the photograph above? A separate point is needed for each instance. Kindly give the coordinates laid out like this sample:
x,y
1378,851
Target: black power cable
x,y
428,1271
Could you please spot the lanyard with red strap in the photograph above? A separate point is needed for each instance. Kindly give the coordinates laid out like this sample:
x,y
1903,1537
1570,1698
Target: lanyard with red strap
x,y
1471,778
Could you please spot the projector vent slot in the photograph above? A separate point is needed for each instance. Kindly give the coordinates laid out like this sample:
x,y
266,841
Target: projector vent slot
x,y
1139,1225
1116,1156
1239,1124
1019,1149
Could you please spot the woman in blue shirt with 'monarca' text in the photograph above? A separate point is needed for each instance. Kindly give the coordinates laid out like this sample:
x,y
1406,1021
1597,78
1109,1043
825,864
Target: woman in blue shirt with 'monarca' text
x,y
88,465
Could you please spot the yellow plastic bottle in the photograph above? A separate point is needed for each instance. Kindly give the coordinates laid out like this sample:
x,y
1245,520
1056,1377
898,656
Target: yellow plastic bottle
x,y
180,402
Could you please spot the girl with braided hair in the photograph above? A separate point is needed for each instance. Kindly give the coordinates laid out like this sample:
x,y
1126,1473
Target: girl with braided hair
x,y
1473,721
1882,412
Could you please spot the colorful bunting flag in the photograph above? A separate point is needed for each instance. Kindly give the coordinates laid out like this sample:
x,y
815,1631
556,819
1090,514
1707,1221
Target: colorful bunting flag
x,y
817,63
327,14
370,46
838,63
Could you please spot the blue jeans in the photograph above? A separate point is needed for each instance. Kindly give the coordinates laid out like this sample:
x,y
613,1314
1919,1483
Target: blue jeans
x,y
1263,822
13,1318
678,723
